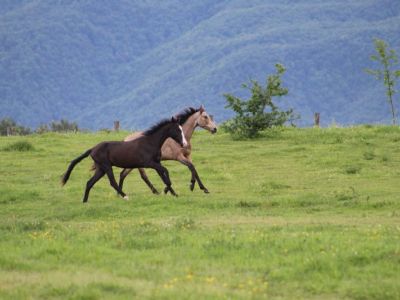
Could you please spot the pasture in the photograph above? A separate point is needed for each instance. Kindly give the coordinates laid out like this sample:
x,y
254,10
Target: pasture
x,y
296,214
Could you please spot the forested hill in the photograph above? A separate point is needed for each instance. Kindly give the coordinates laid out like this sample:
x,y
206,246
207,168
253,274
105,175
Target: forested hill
x,y
137,61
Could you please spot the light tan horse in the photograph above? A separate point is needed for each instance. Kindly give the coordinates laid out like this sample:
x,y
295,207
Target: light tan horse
x,y
190,118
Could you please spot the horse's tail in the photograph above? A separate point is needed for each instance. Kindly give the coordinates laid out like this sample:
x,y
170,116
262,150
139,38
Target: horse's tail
x,y
71,166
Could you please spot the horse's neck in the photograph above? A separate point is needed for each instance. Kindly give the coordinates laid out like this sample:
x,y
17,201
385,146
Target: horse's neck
x,y
190,125
159,137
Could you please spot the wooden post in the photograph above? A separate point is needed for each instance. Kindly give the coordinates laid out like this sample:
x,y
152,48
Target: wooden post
x,y
9,131
316,119
116,125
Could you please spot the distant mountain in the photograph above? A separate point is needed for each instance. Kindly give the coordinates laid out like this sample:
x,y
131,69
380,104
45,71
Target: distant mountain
x,y
138,61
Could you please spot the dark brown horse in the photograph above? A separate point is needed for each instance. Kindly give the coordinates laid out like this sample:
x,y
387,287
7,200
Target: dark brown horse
x,y
190,119
143,152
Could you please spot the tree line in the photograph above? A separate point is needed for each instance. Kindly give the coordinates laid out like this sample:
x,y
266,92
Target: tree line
x,y
259,112
9,127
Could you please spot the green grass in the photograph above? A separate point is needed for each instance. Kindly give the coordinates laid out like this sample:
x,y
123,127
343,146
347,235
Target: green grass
x,y
296,214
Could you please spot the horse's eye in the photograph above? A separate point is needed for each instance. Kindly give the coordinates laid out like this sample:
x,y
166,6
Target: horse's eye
x,y
206,117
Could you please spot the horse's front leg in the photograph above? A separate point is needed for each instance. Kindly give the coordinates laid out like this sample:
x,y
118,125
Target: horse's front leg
x,y
164,174
195,175
168,183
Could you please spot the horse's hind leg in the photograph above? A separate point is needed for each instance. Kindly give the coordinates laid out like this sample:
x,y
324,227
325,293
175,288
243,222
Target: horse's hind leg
x,y
122,177
148,182
97,175
113,183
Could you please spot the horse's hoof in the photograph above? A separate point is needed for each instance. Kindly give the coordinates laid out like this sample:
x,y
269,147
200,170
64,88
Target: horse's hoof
x,y
206,191
155,192
192,187
126,198
166,190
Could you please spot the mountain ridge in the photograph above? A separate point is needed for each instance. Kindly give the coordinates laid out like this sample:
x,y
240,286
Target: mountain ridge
x,y
94,62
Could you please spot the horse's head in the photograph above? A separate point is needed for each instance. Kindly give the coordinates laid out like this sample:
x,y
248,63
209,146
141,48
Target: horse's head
x,y
176,132
206,121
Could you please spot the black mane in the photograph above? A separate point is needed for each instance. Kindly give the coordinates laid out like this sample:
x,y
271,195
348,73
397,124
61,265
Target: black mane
x,y
157,126
182,117
185,114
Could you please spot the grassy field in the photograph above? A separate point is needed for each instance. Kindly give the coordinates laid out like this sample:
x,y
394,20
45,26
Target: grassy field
x,y
296,214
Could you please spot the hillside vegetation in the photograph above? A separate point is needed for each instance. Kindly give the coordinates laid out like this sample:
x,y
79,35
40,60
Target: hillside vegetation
x,y
94,62
297,213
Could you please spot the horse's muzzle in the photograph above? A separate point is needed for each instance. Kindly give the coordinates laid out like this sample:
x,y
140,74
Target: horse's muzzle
x,y
214,130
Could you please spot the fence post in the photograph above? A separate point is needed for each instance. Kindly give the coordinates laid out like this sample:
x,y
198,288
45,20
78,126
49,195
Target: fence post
x,y
316,119
9,131
116,125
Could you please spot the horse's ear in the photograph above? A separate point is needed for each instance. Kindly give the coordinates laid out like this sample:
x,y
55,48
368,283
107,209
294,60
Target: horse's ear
x,y
174,119
201,109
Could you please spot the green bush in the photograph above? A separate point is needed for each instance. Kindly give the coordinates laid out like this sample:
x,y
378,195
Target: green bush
x,y
19,146
259,112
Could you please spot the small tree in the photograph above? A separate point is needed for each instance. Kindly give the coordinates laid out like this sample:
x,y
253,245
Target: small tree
x,y
259,112
387,58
